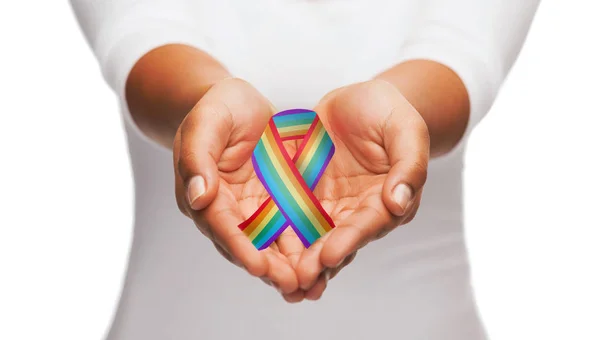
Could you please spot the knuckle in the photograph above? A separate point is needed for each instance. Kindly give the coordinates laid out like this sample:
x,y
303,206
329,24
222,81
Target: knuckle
x,y
186,163
420,169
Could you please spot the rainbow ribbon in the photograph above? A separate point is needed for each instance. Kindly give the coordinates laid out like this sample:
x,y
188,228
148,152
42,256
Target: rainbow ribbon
x,y
290,182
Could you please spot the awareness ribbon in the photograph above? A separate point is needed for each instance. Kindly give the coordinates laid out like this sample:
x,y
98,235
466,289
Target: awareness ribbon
x,y
290,181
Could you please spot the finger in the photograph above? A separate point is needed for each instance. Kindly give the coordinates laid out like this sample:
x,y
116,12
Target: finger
x,y
204,135
274,247
316,291
278,253
413,208
294,297
333,272
354,232
179,185
407,144
290,246
223,219
266,281
281,274
309,265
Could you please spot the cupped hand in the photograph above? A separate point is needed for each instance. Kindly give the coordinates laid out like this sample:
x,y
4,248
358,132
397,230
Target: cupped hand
x,y
374,181
215,182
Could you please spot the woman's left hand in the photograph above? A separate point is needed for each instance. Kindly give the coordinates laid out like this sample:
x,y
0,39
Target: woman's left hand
x,y
375,179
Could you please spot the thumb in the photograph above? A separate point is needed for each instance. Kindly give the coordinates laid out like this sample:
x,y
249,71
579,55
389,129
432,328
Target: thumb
x,y
406,142
203,136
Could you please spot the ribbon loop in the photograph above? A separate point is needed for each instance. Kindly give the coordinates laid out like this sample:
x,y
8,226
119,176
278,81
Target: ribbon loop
x,y
290,181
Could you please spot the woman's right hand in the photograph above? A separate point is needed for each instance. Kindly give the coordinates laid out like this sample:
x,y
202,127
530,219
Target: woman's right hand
x,y
215,181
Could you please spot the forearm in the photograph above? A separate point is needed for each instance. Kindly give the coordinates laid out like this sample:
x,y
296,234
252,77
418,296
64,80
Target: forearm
x,y
440,97
165,84
168,81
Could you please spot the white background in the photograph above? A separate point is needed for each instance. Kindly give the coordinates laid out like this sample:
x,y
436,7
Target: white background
x,y
533,178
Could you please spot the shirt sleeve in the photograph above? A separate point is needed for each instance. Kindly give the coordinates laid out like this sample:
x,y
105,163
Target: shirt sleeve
x,y
120,32
478,40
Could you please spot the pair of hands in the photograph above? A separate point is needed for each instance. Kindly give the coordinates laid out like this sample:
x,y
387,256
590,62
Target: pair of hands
x,y
372,185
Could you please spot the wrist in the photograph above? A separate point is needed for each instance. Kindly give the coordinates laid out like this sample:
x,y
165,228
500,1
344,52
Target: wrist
x,y
440,97
165,84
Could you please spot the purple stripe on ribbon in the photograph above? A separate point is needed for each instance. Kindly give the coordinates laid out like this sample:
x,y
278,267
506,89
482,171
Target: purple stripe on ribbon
x,y
278,232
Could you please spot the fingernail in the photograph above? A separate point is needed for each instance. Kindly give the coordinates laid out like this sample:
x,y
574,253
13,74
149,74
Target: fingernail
x,y
402,194
196,188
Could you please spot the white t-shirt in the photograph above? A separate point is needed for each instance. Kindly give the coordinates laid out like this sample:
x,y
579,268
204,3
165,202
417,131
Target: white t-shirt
x,y
414,283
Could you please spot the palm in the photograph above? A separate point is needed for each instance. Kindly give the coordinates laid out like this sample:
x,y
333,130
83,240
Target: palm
x,y
354,179
215,182
243,189
355,189
240,194
347,185
350,182
241,186
381,142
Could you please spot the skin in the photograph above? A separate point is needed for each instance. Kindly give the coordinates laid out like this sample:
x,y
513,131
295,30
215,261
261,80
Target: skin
x,y
385,131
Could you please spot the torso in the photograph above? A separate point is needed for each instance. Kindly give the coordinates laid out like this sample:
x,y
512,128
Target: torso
x,y
412,284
